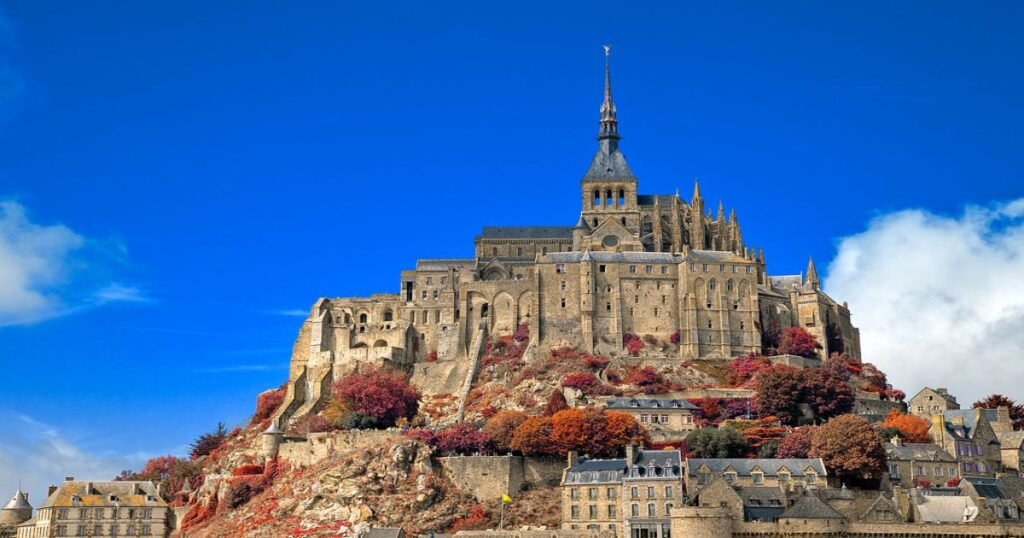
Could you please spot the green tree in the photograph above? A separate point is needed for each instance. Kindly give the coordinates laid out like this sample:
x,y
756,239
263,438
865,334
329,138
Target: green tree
x,y
722,442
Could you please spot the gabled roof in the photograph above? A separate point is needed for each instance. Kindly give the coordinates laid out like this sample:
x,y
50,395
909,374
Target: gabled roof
x,y
526,232
970,419
809,506
1010,440
84,493
918,452
989,488
944,395
649,403
880,502
943,509
770,467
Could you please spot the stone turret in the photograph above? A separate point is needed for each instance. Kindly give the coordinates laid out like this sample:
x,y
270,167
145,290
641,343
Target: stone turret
x,y
17,510
272,438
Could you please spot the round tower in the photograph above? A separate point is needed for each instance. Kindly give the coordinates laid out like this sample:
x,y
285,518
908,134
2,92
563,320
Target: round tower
x,y
272,438
17,510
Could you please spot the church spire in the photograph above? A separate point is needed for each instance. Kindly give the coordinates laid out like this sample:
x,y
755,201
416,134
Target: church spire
x,y
609,125
812,274
696,190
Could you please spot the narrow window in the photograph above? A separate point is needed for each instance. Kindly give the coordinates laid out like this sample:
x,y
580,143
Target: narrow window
x,y
664,269
563,302
519,251
648,269
663,299
597,198
608,306
562,285
709,323
601,268
494,251
560,268
608,199
622,198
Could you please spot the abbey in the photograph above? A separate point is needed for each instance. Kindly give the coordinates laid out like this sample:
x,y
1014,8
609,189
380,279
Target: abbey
x,y
653,267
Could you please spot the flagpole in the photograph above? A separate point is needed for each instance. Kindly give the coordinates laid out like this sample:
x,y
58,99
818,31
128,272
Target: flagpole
x,y
501,522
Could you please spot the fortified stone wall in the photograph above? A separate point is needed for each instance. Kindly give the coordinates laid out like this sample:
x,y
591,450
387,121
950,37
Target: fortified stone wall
x,y
317,447
487,478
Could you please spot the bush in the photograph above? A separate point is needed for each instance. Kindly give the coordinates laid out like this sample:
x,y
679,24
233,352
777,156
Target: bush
x,y
722,442
358,421
555,403
248,469
647,379
923,482
797,341
522,333
462,438
432,356
502,426
743,370
382,394
674,338
533,437
586,382
477,518
267,403
595,362
953,482
632,343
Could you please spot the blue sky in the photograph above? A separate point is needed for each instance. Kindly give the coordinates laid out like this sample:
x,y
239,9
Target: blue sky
x,y
177,179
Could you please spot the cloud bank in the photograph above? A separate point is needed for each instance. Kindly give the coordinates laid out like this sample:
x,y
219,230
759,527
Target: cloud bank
x,y
939,300
36,455
47,271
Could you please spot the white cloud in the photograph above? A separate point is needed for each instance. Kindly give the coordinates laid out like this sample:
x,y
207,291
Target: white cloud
x,y
35,455
290,312
939,300
42,275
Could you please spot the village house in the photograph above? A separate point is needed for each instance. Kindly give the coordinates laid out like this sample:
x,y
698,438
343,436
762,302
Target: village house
x,y
970,436
928,402
88,508
911,464
664,418
781,472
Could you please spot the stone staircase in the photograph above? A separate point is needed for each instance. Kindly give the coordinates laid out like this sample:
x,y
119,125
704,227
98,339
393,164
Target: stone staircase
x,y
476,349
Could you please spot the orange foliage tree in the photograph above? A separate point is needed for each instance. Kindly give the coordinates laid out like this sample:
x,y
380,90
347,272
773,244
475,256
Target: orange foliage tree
x,y
595,432
912,429
502,426
533,437
850,448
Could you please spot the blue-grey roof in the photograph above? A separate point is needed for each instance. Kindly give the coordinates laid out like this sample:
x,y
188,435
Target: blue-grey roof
x,y
613,257
608,163
770,467
526,232
646,458
786,282
917,452
589,471
649,403
810,506
648,199
987,487
970,422
714,256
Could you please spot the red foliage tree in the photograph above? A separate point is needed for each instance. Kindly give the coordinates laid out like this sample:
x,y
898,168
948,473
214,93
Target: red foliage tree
x,y
742,370
850,448
268,402
502,426
586,382
953,482
647,379
995,401
555,403
828,394
797,341
595,432
312,424
533,437
912,429
384,395
208,442
632,343
797,444
462,438
477,518
779,393
247,469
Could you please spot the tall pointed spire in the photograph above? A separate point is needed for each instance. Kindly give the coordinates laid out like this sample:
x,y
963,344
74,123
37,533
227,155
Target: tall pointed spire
x,y
609,125
721,211
812,274
696,189
732,216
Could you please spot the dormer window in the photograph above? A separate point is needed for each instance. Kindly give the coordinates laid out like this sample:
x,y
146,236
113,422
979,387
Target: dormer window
x,y
758,478
730,477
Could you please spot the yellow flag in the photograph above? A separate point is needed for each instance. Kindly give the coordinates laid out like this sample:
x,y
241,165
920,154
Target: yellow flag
x,y
505,498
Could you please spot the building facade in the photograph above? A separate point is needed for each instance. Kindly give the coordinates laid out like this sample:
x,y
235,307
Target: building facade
x,y
930,402
970,435
86,508
657,267
664,418
785,473
911,464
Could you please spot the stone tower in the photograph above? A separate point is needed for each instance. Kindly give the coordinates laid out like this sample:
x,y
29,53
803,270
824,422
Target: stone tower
x,y
17,510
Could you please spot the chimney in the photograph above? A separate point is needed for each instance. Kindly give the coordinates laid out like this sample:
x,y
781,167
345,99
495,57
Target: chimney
x,y
896,441
573,457
69,479
50,490
942,390
88,488
630,454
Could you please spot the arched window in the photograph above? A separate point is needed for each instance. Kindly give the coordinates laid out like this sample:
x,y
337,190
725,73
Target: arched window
x,y
622,197
362,317
711,285
608,199
597,198
388,315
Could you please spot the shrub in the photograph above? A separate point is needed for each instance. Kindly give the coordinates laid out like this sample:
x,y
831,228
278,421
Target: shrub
x,y
674,338
382,394
586,382
208,442
477,518
953,482
423,435
432,356
502,426
358,421
247,469
632,343
647,379
462,438
797,341
555,403
268,402
742,370
722,442
533,437
522,333
595,362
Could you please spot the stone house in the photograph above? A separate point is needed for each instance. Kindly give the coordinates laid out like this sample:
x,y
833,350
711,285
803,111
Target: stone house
x,y
653,266
87,508
787,473
970,436
1011,451
14,513
664,418
996,499
928,402
909,462
632,496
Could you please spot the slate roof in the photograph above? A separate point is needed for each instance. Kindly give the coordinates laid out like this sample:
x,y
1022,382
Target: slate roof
x,y
918,452
714,256
75,493
932,509
989,488
526,232
770,467
658,458
762,503
600,471
970,418
648,199
649,403
442,264
811,507
19,501
945,396
608,163
613,257
786,282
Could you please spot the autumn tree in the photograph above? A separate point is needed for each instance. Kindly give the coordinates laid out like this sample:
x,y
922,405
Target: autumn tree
x,y
778,393
911,429
850,448
743,370
462,438
533,437
797,444
385,395
594,431
797,341
827,393
502,426
555,403
208,442
995,401
722,442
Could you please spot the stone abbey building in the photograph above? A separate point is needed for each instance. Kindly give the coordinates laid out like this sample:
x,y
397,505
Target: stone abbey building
x,y
655,266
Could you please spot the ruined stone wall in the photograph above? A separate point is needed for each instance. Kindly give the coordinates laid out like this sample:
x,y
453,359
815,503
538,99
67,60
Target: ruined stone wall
x,y
317,447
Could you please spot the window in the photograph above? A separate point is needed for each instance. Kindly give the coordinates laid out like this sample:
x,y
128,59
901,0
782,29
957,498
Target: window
x,y
705,267
668,492
574,494
145,529
430,280
721,268
635,510
734,268
444,280
611,511
560,268
634,492
650,492
758,478
62,530
574,512
592,494
664,419
608,306
632,268
668,509
648,269
643,420
601,268
544,250
783,477
113,530
812,478
97,530
494,251
612,493
563,302
592,511
748,269
655,312
562,285
519,251
703,477
663,299
423,295
730,477
664,269
80,530
62,513
435,298
636,299
693,267
651,512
